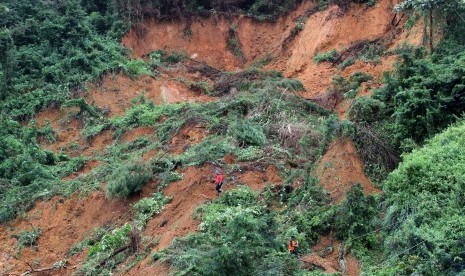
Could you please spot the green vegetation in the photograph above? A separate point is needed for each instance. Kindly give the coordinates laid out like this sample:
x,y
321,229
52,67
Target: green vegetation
x,y
425,210
233,43
424,195
29,238
128,178
349,88
70,37
330,56
99,257
239,234
50,50
147,207
262,10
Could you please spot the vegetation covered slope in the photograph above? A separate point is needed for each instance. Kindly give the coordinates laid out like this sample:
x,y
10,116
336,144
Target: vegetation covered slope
x,y
425,199
257,120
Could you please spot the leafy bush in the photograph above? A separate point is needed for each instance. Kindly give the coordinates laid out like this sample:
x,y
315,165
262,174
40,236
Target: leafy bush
x,y
148,207
347,62
111,241
128,178
356,217
425,94
366,109
136,67
236,236
175,57
29,238
98,261
330,56
248,133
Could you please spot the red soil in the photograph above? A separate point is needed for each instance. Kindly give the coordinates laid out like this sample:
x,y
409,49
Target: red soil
x,y
326,257
116,92
132,134
208,42
339,167
63,224
187,137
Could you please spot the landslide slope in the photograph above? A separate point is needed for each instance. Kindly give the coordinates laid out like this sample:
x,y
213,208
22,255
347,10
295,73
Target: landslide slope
x,y
287,45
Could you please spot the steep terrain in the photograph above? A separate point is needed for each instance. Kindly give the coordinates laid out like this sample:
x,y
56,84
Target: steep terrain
x,y
64,222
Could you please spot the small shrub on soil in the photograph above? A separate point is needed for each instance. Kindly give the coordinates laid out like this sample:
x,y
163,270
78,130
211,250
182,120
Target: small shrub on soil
x,y
136,67
29,238
148,207
128,178
330,56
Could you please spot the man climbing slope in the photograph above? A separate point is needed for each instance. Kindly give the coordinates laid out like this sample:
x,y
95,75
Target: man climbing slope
x,y
218,181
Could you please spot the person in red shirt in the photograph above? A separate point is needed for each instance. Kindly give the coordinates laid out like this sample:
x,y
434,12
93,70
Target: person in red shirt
x,y
293,245
219,181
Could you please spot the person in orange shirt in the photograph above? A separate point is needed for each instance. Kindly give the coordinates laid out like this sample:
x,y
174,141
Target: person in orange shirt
x,y
219,181
293,245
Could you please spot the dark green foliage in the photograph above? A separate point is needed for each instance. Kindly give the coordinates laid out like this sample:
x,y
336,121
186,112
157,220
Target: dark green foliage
x,y
426,207
248,133
128,178
135,11
366,109
424,95
349,87
356,217
48,50
307,214
84,107
330,56
25,170
61,49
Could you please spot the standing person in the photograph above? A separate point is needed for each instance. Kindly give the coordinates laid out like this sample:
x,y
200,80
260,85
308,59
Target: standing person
x,y
293,245
218,181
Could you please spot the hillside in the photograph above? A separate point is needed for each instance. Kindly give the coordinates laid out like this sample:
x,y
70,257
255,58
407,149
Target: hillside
x,y
330,121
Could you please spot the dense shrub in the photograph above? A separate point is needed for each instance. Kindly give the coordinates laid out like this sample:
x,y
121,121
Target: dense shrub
x,y
425,93
259,9
128,178
147,207
61,37
366,109
237,236
29,238
426,207
248,133
98,257
356,217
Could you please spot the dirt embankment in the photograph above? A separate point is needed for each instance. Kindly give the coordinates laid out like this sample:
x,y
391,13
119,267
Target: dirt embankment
x,y
63,223
340,167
